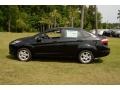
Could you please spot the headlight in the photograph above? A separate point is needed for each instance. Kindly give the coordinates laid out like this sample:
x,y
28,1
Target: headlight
x,y
15,42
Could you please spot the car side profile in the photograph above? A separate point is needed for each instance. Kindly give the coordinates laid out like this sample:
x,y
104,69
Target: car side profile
x,y
71,42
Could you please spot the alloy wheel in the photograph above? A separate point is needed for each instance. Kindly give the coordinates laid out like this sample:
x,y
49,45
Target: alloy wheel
x,y
85,56
24,54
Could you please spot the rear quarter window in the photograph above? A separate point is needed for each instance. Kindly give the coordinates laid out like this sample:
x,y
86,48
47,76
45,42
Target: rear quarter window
x,y
88,34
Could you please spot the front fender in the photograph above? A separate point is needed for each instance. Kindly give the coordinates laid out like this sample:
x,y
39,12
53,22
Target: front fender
x,y
30,47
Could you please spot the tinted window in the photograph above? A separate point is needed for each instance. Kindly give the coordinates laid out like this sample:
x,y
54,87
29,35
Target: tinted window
x,y
54,34
87,34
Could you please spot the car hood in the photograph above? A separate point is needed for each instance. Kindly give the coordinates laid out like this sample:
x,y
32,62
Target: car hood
x,y
25,38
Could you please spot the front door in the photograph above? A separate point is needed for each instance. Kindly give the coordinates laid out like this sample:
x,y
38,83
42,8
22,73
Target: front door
x,y
49,46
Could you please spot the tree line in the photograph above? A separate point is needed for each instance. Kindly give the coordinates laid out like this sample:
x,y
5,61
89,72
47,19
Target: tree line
x,y
31,18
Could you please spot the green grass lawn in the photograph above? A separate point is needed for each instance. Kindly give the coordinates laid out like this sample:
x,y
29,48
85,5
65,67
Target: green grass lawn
x,y
58,71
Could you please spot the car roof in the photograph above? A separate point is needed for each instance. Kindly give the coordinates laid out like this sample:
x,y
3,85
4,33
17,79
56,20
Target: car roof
x,y
62,28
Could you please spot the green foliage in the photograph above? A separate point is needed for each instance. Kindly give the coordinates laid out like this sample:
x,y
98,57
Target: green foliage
x,y
21,25
1,29
55,16
32,18
110,25
73,16
1,18
64,22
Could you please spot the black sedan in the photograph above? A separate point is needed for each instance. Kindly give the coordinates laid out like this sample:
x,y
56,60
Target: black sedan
x,y
69,42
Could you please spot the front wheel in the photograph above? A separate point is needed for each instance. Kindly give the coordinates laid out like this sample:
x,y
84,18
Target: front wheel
x,y
24,54
86,56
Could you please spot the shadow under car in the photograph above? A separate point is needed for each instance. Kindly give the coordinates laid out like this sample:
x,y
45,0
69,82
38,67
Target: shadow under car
x,y
56,59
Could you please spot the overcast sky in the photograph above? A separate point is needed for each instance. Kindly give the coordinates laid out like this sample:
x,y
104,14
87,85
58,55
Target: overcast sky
x,y
109,12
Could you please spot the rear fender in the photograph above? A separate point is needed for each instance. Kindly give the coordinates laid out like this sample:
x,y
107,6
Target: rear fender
x,y
91,48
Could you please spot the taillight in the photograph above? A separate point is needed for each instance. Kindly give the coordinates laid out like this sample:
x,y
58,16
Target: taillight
x,y
104,41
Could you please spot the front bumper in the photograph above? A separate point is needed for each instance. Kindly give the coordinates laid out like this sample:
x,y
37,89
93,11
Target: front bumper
x,y
12,50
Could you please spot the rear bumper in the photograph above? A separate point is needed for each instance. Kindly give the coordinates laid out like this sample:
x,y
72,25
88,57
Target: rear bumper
x,y
102,53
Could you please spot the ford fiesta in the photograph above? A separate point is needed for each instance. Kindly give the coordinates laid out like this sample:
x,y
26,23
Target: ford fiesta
x,y
69,42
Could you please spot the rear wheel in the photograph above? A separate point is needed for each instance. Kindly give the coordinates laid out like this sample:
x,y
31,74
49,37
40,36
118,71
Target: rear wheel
x,y
86,56
24,54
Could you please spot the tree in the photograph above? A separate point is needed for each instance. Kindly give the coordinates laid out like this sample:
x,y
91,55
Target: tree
x,y
21,23
96,21
73,14
41,17
46,19
82,17
12,15
90,19
1,20
55,15
64,22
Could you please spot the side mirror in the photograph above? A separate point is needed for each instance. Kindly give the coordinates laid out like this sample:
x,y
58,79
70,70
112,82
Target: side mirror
x,y
38,39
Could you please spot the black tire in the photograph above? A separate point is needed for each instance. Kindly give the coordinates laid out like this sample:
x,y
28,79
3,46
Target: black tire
x,y
24,54
85,57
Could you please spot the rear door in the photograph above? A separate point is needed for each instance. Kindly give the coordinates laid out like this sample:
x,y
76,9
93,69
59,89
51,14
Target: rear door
x,y
70,42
